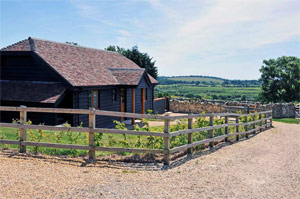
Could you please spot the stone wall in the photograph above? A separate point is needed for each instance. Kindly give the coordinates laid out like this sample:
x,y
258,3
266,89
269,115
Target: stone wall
x,y
286,110
186,106
283,110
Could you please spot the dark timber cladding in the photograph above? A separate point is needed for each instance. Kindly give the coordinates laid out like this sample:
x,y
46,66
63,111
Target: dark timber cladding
x,y
83,78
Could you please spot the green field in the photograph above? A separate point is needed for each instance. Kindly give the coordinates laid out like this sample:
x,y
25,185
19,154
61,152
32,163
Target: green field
x,y
206,87
201,79
288,120
209,92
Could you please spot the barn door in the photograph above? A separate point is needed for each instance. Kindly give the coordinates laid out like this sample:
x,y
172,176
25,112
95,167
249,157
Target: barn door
x,y
123,100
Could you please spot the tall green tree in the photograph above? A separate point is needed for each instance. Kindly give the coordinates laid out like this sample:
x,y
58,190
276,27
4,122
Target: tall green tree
x,y
280,79
143,60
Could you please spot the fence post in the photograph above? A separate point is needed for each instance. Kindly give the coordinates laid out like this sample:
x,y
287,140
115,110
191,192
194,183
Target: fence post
x,y
246,127
92,124
266,121
271,124
248,109
237,128
253,125
190,135
211,132
23,120
226,128
167,141
260,123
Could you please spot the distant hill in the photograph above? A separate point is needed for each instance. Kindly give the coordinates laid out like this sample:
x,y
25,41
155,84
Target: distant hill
x,y
197,78
205,80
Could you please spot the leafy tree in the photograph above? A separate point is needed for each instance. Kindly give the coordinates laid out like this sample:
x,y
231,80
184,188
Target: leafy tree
x,y
280,79
143,60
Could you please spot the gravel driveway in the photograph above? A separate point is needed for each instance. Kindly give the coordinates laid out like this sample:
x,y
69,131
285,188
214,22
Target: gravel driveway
x,y
264,166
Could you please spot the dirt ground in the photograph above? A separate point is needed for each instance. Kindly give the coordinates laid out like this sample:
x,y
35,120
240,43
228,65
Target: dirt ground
x,y
264,166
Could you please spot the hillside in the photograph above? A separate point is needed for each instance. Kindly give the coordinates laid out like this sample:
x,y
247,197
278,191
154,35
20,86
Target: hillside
x,y
205,80
197,78
207,87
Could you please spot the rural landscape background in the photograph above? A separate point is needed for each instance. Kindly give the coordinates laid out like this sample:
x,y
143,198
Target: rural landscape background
x,y
243,53
207,87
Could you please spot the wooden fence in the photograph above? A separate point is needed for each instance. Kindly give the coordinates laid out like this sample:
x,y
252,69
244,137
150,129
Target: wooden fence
x,y
263,123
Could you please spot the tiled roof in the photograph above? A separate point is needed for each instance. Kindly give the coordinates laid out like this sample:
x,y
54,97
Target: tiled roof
x,y
80,66
24,91
152,80
127,76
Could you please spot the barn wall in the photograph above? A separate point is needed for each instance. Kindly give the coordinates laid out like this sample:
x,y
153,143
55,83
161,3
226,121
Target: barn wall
x,y
106,103
129,100
36,118
25,68
138,96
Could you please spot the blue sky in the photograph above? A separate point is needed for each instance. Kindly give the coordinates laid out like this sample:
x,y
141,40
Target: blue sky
x,y
228,39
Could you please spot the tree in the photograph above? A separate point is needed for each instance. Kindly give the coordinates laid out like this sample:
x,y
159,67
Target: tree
x,y
280,79
143,60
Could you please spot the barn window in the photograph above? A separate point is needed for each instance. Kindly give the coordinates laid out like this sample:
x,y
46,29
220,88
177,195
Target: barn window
x,y
94,99
114,95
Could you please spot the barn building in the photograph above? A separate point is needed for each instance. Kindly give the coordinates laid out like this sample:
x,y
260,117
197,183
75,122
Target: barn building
x,y
41,73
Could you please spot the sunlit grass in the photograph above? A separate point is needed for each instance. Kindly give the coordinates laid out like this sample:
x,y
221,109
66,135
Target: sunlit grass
x,y
288,120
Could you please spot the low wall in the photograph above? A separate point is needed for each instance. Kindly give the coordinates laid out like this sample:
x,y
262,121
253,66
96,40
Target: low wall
x,y
285,110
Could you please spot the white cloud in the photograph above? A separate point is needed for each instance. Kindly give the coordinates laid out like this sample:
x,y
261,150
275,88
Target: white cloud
x,y
226,28
196,35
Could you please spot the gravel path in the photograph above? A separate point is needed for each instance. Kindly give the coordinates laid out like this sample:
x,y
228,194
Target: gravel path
x,y
264,166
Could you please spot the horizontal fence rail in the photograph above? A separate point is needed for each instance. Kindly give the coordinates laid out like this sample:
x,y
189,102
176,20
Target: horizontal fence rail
x,y
263,123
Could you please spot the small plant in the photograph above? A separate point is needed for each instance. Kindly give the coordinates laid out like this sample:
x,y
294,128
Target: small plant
x,y
121,126
124,143
137,128
150,142
180,125
146,126
17,133
111,141
149,111
36,137
201,122
98,138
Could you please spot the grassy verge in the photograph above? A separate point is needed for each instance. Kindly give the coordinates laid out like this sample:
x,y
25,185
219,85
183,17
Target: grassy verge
x,y
288,120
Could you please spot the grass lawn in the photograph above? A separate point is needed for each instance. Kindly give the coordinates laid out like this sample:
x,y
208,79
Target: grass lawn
x,y
288,120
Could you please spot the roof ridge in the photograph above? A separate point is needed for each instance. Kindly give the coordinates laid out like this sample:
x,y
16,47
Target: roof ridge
x,y
14,44
33,82
126,69
78,46
113,76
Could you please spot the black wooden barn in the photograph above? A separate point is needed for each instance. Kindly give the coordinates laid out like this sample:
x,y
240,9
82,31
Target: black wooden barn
x,y
41,73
